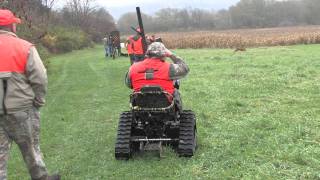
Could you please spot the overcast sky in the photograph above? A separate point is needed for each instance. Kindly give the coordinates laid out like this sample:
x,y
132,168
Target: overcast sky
x,y
118,7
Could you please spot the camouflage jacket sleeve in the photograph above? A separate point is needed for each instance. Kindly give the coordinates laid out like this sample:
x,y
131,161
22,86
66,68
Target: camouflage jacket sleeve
x,y
178,69
37,76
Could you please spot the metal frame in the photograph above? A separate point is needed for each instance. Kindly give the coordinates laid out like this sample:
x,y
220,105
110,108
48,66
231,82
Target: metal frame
x,y
137,108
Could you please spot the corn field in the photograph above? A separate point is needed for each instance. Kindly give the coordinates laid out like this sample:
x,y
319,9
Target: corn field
x,y
242,38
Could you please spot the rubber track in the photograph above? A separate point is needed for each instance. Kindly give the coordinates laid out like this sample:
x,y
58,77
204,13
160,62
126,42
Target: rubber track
x,y
187,132
122,146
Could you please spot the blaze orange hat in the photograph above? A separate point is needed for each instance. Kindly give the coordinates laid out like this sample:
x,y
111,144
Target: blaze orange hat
x,y
7,18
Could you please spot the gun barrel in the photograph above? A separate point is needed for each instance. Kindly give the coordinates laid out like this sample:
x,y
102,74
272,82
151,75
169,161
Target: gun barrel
x,y
144,42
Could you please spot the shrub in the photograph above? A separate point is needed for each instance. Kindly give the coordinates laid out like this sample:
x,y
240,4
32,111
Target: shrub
x,y
61,40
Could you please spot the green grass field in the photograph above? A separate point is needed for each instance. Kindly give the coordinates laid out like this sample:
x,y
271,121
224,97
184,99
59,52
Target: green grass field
x,y
258,117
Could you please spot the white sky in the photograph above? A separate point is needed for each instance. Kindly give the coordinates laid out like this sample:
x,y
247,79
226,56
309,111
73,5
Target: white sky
x,y
118,7
121,3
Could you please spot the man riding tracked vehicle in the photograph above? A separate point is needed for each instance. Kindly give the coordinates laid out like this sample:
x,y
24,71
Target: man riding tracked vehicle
x,y
156,116
154,70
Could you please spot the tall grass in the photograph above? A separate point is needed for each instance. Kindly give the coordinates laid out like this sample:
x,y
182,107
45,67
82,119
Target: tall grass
x,y
243,38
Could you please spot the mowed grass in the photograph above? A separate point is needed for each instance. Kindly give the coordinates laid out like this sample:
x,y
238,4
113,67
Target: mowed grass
x,y
258,117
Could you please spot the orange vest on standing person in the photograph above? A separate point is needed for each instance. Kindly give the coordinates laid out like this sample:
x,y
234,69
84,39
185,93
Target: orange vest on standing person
x,y
138,46
130,45
14,54
151,72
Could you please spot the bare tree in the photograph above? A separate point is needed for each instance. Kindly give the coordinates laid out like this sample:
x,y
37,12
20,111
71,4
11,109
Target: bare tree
x,y
128,20
101,24
48,3
80,11
35,15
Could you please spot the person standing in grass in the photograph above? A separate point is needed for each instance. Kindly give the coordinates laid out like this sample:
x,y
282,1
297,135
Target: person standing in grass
x,y
129,46
110,45
23,84
105,44
154,70
138,47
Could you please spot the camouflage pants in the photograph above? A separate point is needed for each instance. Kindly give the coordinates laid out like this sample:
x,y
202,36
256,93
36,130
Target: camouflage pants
x,y
23,128
131,56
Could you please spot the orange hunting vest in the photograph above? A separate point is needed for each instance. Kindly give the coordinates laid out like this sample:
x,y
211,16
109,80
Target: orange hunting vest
x,y
130,45
138,46
14,54
151,72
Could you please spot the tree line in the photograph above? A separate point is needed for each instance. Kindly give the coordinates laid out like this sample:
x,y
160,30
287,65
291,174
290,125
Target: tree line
x,y
245,14
78,24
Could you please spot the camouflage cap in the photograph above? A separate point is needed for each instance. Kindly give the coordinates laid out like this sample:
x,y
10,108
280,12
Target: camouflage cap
x,y
157,49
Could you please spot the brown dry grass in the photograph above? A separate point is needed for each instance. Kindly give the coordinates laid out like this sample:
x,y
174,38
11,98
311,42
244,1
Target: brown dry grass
x,y
243,38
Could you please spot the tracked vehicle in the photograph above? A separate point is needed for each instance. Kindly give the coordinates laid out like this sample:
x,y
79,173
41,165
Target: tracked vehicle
x,y
155,120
